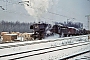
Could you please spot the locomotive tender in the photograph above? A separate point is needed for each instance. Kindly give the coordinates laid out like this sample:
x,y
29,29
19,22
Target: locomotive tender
x,y
40,30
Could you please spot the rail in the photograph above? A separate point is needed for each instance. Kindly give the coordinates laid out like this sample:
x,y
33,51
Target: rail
x,y
74,55
37,52
65,40
21,50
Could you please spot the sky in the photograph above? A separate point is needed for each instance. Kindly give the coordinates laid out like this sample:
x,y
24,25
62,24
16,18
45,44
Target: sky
x,y
55,11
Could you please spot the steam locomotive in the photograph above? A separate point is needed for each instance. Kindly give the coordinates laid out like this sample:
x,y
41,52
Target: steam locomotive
x,y
40,30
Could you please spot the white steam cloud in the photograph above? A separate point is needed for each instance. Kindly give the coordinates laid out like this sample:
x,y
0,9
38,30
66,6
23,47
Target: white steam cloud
x,y
37,7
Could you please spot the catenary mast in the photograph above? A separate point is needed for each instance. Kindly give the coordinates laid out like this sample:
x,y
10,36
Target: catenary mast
x,y
88,17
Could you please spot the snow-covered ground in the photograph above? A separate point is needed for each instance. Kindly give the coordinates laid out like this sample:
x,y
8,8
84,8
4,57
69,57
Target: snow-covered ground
x,y
82,57
44,49
46,54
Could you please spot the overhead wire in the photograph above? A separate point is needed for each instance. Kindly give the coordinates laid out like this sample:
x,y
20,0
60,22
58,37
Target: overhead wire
x,y
28,3
10,11
23,2
54,13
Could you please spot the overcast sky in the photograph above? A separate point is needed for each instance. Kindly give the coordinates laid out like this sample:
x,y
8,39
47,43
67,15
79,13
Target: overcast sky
x,y
66,9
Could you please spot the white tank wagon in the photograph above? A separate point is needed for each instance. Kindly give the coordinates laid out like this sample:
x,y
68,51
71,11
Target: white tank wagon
x,y
44,49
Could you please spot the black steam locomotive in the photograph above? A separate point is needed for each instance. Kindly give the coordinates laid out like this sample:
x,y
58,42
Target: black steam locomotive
x,y
40,30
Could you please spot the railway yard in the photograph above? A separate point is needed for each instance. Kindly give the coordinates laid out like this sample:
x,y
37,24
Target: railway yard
x,y
22,46
66,48
85,56
44,30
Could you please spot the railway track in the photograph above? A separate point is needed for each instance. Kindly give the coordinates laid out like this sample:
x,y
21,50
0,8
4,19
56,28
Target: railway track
x,y
75,57
45,49
83,56
25,55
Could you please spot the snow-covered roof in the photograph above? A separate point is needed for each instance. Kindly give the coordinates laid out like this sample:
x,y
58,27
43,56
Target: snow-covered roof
x,y
29,33
60,24
5,32
11,34
71,27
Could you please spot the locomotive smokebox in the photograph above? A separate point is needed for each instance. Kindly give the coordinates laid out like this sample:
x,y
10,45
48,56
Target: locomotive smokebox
x,y
31,27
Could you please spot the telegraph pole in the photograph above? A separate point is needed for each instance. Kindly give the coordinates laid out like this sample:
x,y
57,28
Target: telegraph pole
x,y
88,17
